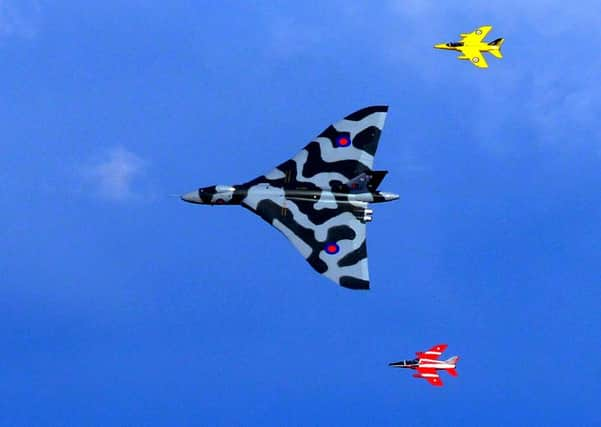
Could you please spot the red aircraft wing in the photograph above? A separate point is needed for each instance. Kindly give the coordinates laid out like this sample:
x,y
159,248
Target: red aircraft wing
x,y
434,353
430,375
435,381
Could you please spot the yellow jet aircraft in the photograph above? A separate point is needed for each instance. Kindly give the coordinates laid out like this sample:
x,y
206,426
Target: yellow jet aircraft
x,y
471,46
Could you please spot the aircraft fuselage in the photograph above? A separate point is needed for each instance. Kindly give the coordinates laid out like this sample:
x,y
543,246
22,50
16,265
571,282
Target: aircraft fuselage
x,y
481,46
235,195
423,363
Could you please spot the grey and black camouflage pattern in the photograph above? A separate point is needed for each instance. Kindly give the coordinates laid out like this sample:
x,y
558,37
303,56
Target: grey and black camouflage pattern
x,y
319,198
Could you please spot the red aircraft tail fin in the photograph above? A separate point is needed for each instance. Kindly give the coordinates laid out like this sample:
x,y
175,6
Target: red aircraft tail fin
x,y
452,371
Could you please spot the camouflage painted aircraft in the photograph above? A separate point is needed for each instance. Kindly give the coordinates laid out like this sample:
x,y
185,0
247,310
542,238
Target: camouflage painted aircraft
x,y
471,46
319,198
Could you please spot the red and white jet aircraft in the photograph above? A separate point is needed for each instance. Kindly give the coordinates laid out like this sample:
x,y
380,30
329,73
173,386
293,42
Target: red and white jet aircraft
x,y
427,364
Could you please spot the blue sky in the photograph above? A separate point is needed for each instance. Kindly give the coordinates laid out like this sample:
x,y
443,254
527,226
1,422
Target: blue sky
x,y
122,305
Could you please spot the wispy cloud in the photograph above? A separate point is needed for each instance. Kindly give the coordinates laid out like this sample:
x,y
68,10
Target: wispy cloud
x,y
19,18
113,176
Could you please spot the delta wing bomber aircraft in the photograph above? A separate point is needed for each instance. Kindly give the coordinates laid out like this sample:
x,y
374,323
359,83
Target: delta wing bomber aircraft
x,y
427,364
319,199
472,46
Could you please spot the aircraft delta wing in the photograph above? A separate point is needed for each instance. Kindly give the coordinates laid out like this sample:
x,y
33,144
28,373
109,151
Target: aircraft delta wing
x,y
319,198
325,224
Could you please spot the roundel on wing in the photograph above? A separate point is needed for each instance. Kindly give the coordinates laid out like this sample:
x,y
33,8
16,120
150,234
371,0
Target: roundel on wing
x,y
331,248
343,140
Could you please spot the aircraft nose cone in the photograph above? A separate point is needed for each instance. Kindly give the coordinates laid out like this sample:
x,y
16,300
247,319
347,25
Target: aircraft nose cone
x,y
440,46
191,197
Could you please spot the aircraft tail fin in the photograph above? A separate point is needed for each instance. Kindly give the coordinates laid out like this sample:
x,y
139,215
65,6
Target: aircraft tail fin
x,y
366,181
497,43
358,184
376,179
452,361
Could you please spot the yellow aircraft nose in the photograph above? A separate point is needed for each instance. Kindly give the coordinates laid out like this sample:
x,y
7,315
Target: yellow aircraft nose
x,y
440,46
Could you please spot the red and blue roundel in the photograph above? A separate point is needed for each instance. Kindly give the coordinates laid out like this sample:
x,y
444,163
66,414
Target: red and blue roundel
x,y
331,248
343,140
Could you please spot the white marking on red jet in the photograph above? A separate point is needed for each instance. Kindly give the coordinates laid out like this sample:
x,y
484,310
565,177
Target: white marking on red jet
x,y
427,364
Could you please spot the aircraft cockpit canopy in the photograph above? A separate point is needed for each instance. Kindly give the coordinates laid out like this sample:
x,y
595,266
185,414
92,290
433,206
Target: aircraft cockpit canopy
x,y
455,44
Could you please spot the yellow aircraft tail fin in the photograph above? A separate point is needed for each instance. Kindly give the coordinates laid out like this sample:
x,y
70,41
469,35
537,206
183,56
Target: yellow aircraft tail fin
x,y
497,43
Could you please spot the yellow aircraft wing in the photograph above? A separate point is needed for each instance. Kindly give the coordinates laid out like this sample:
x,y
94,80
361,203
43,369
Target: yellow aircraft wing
x,y
476,36
474,55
